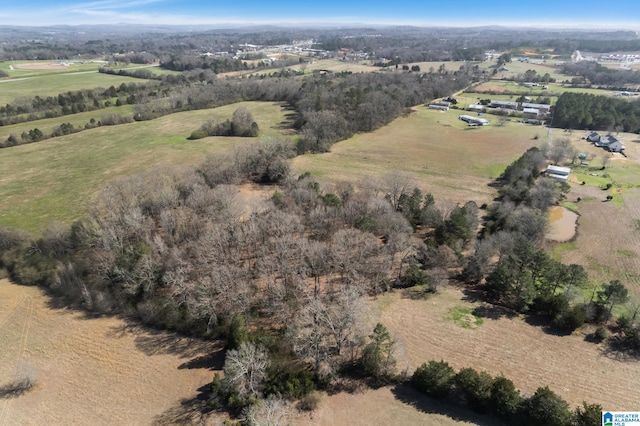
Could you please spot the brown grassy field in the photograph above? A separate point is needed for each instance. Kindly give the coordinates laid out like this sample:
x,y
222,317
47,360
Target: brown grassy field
x,y
570,366
445,157
97,371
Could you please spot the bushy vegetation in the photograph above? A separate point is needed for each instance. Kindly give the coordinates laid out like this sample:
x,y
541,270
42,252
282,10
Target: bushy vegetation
x,y
499,397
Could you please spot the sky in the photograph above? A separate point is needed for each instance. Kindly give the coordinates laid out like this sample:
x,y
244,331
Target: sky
x,y
611,14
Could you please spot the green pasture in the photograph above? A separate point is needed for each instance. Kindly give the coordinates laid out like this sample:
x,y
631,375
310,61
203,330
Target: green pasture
x,y
554,89
56,178
54,84
77,120
516,68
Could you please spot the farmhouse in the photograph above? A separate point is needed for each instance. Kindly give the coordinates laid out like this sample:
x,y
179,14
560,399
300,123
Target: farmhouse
x,y
561,174
474,121
608,142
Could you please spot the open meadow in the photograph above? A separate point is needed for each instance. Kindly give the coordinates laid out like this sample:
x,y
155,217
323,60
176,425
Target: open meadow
x,y
446,157
55,179
93,371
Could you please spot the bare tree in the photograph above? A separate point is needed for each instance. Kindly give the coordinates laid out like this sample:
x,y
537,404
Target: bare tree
x,y
270,412
245,370
395,184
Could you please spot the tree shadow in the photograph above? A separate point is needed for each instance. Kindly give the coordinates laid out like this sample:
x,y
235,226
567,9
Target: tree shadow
x,y
616,349
545,325
16,388
212,361
486,309
190,411
405,393
151,341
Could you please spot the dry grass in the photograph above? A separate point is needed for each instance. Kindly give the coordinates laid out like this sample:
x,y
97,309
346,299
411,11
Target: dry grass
x,y
98,371
445,157
575,369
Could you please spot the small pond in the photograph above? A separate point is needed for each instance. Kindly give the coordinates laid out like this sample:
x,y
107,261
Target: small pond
x,y
562,224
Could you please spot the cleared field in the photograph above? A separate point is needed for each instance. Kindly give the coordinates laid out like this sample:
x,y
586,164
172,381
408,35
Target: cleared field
x,y
575,369
55,179
554,89
399,405
52,85
516,68
20,69
446,157
94,371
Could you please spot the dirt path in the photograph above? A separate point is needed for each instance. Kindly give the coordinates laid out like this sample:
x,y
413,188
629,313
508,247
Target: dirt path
x,y
94,371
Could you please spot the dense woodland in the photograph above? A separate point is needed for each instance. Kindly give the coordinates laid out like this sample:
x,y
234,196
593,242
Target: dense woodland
x,y
587,111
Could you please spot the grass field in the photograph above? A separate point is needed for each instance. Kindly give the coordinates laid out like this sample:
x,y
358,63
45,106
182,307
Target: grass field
x,y
53,84
336,65
516,68
570,366
55,179
445,157
79,119
97,371
554,89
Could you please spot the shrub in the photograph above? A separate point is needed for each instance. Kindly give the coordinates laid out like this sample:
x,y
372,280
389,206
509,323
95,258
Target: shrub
x,y
600,334
505,400
309,402
588,415
413,276
545,408
475,387
290,382
571,319
238,332
197,134
434,379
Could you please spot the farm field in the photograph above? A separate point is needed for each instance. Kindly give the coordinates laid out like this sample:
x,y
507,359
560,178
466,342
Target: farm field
x,y
445,157
575,369
50,124
55,179
98,371
554,89
52,85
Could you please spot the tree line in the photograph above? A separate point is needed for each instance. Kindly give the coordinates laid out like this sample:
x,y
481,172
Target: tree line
x,y
587,111
498,397
600,75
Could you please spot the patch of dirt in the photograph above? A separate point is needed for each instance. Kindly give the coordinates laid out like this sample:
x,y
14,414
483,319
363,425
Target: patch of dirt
x,y
575,369
99,371
40,66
